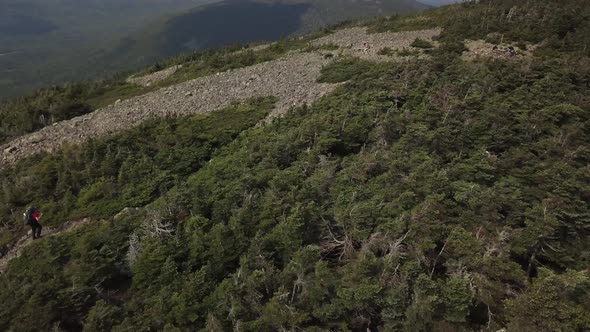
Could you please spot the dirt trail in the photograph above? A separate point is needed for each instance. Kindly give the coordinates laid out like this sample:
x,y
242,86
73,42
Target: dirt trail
x,y
17,248
292,79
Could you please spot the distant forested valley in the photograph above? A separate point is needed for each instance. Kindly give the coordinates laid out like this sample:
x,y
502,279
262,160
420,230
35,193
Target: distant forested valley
x,y
50,42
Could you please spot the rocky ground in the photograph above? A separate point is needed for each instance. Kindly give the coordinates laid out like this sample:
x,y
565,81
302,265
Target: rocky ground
x,y
292,79
358,43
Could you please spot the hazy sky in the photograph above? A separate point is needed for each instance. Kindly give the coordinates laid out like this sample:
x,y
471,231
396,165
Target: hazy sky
x,y
438,2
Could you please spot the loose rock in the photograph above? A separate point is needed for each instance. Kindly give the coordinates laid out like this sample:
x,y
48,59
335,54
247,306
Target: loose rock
x,y
292,79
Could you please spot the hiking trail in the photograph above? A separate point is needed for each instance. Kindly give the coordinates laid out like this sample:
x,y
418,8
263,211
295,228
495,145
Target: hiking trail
x,y
26,240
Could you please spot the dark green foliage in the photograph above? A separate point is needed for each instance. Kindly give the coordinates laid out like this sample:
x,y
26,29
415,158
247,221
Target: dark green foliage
x,y
561,25
421,43
407,52
344,70
553,302
30,113
427,195
130,169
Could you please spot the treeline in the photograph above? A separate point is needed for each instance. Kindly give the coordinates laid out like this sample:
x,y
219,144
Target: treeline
x,y
126,170
555,25
44,107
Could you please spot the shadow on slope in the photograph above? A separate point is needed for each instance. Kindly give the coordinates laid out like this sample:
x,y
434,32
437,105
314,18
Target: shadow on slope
x,y
225,23
231,22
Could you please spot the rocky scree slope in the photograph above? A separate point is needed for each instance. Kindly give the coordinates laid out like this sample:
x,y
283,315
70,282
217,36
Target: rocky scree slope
x,y
292,79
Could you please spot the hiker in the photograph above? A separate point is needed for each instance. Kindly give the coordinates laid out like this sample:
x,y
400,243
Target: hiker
x,y
32,217
366,47
511,51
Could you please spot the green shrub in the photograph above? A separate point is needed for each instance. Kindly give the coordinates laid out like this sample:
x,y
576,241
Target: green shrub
x,y
421,43
386,51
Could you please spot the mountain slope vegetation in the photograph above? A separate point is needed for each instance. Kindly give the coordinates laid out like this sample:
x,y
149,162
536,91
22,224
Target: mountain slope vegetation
x,y
48,106
442,193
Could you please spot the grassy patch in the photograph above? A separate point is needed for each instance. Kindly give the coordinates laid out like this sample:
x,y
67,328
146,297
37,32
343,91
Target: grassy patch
x,y
344,70
322,47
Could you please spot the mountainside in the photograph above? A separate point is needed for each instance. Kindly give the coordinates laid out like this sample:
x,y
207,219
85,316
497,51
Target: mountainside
x,y
241,21
72,40
427,172
43,42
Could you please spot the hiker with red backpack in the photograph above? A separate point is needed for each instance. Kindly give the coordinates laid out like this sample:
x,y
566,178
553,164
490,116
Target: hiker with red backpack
x,y
32,217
